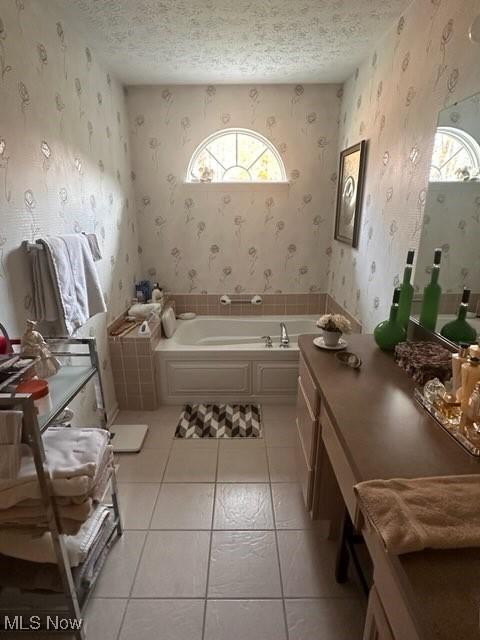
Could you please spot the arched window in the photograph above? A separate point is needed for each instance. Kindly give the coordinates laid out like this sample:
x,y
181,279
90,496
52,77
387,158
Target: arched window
x,y
456,156
236,155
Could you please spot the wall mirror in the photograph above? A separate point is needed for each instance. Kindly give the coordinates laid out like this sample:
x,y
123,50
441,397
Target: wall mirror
x,y
452,215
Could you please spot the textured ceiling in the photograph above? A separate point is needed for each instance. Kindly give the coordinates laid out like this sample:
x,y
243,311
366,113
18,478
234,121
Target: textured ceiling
x,y
232,41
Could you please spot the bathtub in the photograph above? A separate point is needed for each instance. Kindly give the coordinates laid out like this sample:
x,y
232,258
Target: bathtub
x,y
224,359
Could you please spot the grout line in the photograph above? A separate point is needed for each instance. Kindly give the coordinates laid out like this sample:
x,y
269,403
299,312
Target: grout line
x,y
210,547
142,549
278,554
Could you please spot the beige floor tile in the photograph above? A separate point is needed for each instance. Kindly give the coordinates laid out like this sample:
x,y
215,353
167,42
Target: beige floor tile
x,y
192,465
183,444
159,437
163,620
240,444
243,506
235,465
307,563
117,575
173,565
146,466
184,506
289,507
280,425
336,618
244,565
282,464
245,620
166,415
136,504
103,618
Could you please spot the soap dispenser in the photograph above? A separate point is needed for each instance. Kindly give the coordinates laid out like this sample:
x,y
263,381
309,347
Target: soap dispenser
x,y
459,330
390,332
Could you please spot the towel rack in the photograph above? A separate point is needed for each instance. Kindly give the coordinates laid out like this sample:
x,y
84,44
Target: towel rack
x,y
31,246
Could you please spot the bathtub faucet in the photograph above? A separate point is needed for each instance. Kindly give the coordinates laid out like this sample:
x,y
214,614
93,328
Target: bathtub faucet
x,y
284,339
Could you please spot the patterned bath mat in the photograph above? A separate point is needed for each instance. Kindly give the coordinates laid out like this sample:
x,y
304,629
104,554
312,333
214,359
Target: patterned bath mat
x,y
220,421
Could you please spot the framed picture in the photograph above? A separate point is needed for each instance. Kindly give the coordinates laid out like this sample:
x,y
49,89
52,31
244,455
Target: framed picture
x,y
349,193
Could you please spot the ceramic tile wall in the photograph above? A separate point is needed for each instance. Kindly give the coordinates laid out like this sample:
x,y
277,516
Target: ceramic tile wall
x,y
273,304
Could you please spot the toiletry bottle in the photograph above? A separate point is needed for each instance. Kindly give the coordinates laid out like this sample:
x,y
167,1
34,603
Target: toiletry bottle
x,y
473,406
406,292
458,359
459,330
431,296
157,293
475,349
390,332
470,377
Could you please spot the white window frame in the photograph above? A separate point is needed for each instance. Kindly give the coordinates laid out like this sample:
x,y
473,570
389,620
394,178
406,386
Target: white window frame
x,y
249,132
468,142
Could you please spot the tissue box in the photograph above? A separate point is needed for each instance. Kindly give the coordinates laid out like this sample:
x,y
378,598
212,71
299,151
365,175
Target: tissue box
x,y
424,361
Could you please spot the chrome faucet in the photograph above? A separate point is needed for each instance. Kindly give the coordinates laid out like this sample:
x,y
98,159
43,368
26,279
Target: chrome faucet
x,y
284,339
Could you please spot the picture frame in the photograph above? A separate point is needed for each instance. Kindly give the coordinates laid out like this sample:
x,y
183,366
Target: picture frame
x,y
351,177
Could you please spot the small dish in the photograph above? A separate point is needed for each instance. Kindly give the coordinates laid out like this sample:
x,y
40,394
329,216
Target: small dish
x,y
320,343
349,359
188,315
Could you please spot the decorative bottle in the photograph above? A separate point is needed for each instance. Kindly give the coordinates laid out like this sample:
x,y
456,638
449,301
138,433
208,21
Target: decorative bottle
x,y
431,296
458,359
406,292
470,377
460,330
390,332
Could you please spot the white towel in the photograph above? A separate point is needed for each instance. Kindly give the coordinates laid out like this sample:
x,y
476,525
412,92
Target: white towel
x,y
39,548
10,455
67,291
11,427
76,457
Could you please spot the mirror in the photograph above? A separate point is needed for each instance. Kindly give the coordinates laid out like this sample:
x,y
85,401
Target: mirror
x,y
452,214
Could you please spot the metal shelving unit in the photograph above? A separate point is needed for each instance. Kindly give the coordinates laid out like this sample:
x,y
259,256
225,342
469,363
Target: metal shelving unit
x,y
80,364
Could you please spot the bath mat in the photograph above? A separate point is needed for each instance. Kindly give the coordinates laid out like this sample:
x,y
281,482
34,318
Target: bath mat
x,y
220,421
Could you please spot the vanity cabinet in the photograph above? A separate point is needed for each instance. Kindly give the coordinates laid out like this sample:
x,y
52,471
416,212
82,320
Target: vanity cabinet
x,y
376,623
308,408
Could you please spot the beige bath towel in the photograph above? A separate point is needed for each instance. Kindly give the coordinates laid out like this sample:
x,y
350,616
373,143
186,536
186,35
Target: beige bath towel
x,y
412,515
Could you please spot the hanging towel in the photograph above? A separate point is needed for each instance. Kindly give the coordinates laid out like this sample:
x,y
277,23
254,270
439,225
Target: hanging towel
x,y
423,513
94,246
67,291
10,456
11,427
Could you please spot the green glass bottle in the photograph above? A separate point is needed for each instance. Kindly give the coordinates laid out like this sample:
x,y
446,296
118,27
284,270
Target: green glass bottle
x,y
460,330
390,332
431,296
406,292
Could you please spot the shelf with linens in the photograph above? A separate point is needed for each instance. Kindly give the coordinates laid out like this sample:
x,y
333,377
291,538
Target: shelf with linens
x,y
59,513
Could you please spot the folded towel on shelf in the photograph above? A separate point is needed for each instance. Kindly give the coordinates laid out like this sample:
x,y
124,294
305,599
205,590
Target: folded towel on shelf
x,y
10,456
28,545
66,288
423,513
11,427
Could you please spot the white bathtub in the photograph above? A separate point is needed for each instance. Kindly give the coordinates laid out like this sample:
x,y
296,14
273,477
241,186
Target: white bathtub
x,y
224,359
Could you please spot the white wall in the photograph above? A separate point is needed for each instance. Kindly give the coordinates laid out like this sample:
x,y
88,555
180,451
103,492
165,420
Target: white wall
x,y
422,65
64,160
282,232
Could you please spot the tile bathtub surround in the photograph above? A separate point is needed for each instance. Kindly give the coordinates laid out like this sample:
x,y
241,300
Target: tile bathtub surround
x,y
273,304
219,560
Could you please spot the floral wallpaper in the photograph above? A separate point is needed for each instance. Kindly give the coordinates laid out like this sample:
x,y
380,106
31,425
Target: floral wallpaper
x,y
229,41
237,238
424,64
64,161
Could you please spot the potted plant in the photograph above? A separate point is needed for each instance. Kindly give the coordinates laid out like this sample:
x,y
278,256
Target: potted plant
x,y
332,326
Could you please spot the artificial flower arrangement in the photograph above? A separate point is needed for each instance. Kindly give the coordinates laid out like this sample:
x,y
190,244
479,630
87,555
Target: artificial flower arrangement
x,y
334,322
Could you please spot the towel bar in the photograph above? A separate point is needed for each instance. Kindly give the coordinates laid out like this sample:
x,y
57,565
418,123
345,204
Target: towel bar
x,y
31,246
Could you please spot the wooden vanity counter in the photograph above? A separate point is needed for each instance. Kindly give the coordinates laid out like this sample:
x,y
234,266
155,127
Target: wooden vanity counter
x,y
370,427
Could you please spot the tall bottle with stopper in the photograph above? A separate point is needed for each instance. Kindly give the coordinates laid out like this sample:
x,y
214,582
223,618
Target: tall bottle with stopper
x,y
390,332
459,330
406,292
431,295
